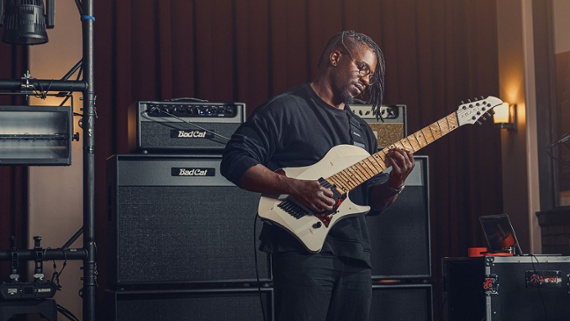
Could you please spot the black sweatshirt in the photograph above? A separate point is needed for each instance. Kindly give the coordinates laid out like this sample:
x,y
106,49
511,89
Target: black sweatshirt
x,y
297,129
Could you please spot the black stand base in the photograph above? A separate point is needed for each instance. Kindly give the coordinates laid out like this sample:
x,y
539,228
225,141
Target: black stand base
x,y
47,308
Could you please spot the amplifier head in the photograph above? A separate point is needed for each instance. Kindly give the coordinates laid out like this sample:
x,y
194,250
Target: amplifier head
x,y
183,126
392,129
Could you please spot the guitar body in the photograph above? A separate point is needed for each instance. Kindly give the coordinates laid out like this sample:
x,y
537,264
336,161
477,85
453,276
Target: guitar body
x,y
309,229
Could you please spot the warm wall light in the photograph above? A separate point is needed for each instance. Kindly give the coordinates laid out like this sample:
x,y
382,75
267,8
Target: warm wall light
x,y
505,116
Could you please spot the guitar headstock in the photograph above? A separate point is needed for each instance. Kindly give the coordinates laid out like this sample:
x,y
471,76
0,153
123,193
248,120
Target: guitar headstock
x,y
472,111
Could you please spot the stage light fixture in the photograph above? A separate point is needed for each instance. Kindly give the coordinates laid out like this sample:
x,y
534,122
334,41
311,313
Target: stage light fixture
x,y
25,21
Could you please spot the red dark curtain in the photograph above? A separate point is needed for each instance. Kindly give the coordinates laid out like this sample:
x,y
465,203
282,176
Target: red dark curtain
x,y
13,179
438,53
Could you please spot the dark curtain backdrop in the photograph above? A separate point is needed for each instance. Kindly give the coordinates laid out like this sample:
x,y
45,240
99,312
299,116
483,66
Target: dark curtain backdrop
x,y
438,53
13,179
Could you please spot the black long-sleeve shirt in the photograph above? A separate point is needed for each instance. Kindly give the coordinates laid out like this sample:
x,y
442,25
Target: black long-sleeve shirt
x,y
297,129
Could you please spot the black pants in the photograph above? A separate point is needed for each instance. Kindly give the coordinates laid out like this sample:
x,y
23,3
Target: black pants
x,y
320,287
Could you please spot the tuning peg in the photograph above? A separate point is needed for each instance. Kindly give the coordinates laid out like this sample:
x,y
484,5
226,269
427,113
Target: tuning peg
x,y
482,98
483,117
490,113
462,102
479,123
468,100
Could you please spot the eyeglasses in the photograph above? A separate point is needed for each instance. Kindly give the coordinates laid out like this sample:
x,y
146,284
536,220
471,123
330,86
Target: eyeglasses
x,y
364,71
363,68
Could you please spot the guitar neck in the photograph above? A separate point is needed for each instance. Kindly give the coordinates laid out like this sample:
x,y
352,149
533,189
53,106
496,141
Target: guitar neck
x,y
354,175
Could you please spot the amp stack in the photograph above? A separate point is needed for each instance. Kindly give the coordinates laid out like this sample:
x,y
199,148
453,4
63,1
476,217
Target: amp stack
x,y
182,235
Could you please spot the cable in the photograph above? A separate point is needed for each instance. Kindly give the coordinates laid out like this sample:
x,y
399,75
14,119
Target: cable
x,y
66,313
538,287
257,267
41,93
79,7
145,115
188,98
55,276
564,140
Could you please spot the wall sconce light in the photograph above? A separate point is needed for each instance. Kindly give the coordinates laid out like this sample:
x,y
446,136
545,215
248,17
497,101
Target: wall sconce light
x,y
505,116
24,21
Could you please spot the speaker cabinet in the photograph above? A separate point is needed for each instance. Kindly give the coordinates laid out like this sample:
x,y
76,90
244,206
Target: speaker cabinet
x,y
402,302
400,236
175,219
190,305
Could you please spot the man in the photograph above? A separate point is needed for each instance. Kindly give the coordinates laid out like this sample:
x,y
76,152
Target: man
x,y
297,129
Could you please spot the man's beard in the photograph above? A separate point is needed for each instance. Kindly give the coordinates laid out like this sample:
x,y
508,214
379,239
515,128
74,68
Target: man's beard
x,y
347,97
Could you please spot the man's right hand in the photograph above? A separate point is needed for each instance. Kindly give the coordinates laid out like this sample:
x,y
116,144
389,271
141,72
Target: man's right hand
x,y
307,192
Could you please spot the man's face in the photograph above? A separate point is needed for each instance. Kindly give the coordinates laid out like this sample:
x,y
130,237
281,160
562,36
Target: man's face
x,y
354,71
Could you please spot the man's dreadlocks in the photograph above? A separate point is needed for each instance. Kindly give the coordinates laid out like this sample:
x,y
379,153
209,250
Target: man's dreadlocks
x,y
348,39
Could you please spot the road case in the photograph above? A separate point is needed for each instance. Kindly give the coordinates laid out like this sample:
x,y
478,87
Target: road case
x,y
507,288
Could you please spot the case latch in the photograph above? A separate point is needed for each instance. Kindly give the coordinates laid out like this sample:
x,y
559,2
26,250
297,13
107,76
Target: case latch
x,y
491,284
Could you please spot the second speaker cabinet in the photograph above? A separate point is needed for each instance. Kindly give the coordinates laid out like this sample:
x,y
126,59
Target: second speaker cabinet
x,y
400,235
190,305
402,302
175,220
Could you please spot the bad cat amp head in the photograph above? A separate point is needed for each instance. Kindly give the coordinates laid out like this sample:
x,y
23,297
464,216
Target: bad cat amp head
x,y
393,127
177,126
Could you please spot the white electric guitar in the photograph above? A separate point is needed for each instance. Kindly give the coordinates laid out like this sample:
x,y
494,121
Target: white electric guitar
x,y
345,167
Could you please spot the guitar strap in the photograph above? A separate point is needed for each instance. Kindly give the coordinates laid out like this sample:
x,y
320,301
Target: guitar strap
x,y
357,138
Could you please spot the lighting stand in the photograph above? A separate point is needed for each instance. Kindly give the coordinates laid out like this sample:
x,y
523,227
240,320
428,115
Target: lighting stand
x,y
86,86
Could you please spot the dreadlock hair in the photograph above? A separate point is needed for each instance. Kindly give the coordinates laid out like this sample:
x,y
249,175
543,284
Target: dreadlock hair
x,y
349,39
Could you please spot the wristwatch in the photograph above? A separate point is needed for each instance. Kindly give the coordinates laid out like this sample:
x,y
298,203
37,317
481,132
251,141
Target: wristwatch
x,y
396,190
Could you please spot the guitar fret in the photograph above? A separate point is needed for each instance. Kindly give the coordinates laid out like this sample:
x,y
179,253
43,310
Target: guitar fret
x,y
336,180
455,121
441,133
433,134
362,172
446,124
346,179
415,148
340,183
353,176
427,137
337,184
379,160
396,145
373,168
380,157
417,140
357,174
365,165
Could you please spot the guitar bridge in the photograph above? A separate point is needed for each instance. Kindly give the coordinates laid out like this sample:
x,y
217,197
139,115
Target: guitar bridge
x,y
296,210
